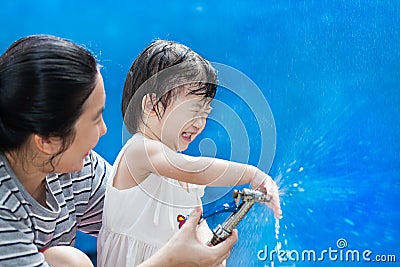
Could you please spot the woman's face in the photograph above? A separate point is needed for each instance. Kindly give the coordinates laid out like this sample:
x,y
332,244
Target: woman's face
x,y
89,128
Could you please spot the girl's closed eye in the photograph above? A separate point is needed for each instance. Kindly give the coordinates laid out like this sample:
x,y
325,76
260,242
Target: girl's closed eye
x,y
201,113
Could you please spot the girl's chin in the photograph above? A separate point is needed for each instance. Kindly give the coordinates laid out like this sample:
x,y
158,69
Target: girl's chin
x,y
182,147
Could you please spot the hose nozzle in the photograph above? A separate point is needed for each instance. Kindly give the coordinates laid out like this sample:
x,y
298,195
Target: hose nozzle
x,y
244,200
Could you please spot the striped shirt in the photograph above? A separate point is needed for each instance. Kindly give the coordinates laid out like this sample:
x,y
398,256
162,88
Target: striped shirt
x,y
74,201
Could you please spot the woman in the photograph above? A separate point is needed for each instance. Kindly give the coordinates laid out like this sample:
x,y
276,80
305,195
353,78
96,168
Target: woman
x,y
51,182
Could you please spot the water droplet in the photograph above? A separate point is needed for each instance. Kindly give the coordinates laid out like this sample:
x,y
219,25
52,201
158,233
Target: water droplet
x,y
349,221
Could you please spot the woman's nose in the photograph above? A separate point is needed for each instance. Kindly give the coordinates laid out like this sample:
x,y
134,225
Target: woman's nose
x,y
103,128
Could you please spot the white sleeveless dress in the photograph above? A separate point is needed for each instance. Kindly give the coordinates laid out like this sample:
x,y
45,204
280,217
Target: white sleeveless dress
x,y
140,220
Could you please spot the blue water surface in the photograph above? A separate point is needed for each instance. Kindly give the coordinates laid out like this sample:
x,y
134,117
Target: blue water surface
x,y
330,73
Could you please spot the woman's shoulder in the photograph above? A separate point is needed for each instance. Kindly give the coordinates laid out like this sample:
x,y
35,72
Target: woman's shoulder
x,y
8,186
12,201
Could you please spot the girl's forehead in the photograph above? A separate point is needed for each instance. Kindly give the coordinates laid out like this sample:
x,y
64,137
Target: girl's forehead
x,y
196,100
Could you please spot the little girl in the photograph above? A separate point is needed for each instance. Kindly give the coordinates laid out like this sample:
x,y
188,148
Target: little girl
x,y
153,187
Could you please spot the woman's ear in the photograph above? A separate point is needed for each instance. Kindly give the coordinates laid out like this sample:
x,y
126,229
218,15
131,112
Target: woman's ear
x,y
47,145
148,102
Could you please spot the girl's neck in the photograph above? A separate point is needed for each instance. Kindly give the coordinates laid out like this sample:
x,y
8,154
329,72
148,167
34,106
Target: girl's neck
x,y
148,133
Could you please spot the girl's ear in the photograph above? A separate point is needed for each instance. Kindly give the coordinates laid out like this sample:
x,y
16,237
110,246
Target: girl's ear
x,y
148,102
47,145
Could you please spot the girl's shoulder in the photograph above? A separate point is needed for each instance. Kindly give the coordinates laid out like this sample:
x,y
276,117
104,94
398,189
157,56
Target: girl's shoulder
x,y
138,146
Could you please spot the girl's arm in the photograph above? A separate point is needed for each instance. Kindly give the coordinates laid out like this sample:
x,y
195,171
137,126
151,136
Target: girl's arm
x,y
149,156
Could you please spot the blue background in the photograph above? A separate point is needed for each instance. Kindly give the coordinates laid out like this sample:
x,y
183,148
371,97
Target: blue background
x,y
330,73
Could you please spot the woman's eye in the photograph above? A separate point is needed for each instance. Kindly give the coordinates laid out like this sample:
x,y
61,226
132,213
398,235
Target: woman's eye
x,y
99,120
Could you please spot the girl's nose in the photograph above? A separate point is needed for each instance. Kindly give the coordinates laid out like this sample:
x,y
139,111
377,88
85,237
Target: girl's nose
x,y
199,122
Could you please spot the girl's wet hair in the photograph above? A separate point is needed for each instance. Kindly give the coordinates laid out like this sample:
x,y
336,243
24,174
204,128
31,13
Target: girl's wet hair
x,y
164,70
44,82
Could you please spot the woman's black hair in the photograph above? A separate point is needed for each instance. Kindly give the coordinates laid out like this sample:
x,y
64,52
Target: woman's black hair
x,y
44,82
159,70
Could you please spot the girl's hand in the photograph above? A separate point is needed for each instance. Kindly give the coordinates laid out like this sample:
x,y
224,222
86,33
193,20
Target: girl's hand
x,y
264,183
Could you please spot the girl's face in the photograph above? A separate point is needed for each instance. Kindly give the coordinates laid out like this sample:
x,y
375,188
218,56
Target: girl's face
x,y
183,120
89,128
